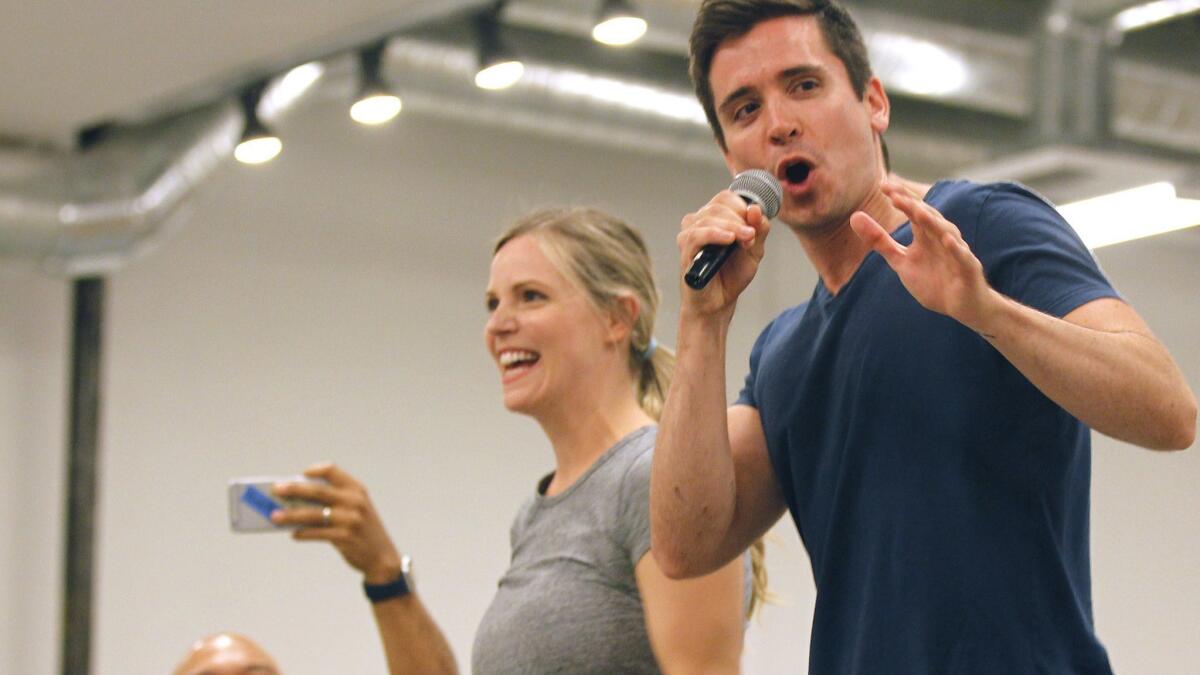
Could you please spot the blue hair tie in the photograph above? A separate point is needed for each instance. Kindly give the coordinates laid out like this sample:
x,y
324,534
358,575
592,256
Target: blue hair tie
x,y
649,351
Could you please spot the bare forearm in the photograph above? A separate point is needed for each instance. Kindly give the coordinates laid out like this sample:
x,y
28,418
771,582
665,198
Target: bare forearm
x,y
692,484
1122,383
412,641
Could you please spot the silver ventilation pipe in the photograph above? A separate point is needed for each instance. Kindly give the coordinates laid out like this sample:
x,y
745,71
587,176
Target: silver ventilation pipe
x,y
86,212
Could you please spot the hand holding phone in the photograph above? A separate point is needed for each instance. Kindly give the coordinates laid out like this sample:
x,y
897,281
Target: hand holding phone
x,y
252,500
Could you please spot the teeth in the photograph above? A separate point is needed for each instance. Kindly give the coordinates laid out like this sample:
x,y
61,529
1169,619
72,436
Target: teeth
x,y
508,358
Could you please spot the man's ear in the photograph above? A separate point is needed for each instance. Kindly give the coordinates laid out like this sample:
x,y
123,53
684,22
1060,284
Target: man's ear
x,y
622,317
878,105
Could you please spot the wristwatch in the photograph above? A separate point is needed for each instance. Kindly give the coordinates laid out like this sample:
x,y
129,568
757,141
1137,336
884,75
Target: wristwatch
x,y
403,585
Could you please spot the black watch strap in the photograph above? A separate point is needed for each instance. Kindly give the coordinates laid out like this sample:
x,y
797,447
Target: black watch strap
x,y
393,589
381,592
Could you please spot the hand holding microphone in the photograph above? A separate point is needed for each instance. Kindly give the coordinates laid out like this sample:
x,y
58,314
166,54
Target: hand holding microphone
x,y
754,186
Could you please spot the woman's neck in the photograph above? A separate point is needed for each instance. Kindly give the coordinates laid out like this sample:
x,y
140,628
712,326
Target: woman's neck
x,y
581,432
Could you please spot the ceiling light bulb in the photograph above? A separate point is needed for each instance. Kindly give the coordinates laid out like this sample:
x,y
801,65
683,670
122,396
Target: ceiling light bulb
x,y
619,30
258,150
375,109
258,143
500,75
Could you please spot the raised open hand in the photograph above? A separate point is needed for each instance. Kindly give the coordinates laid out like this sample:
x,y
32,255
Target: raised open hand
x,y
937,268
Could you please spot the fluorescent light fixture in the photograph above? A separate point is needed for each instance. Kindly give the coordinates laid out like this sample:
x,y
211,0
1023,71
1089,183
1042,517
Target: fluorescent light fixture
x,y
1150,13
918,66
618,24
1131,214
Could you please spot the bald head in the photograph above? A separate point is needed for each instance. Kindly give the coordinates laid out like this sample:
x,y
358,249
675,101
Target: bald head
x,y
227,654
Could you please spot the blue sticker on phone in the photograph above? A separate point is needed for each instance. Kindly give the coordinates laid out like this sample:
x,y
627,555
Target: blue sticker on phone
x,y
259,501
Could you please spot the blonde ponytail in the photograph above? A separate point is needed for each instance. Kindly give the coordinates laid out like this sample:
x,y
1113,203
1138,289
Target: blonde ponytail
x,y
759,595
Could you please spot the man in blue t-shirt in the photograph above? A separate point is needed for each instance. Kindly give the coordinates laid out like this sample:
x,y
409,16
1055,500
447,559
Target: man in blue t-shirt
x,y
925,415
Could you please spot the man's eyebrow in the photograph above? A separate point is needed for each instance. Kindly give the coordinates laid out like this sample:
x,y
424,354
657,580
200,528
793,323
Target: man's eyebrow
x,y
804,69
735,95
794,71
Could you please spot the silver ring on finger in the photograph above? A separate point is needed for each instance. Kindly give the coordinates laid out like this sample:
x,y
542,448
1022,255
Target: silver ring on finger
x,y
327,516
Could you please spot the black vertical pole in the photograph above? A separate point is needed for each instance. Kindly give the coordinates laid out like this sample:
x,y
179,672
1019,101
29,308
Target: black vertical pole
x,y
83,442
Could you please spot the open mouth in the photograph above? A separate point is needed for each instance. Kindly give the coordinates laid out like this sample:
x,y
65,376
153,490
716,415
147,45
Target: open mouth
x,y
515,360
797,172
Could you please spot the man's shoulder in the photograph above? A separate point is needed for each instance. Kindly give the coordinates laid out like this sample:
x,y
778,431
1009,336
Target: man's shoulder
x,y
961,192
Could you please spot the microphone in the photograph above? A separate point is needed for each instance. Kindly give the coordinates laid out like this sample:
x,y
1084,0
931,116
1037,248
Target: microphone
x,y
755,186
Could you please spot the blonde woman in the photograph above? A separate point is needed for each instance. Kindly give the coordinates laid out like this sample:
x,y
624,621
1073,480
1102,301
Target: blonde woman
x,y
571,306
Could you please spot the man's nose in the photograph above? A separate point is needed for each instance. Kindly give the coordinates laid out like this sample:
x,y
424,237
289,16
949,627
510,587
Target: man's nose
x,y
781,123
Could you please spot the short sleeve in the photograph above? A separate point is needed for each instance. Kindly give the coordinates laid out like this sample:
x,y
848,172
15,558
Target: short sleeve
x,y
633,527
1030,253
746,397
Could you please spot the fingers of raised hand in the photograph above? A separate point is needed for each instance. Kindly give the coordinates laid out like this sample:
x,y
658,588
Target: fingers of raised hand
x,y
928,223
960,250
871,232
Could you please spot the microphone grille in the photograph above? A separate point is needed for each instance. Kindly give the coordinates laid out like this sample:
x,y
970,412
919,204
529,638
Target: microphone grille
x,y
760,187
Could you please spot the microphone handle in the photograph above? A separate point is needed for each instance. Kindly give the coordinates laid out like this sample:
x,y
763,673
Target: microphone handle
x,y
706,263
710,258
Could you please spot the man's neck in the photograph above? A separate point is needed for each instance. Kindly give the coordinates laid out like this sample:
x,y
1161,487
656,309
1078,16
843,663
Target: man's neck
x,y
838,252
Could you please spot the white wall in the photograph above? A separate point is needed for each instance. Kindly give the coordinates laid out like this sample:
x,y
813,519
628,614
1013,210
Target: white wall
x,y
329,305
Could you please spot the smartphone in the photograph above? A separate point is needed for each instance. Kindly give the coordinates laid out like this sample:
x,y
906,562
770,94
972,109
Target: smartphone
x,y
251,502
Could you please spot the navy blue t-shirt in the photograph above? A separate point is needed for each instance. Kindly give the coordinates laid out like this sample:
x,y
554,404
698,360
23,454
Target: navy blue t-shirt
x,y
942,498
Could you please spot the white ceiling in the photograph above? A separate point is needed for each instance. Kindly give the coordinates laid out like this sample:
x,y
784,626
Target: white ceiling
x,y
69,64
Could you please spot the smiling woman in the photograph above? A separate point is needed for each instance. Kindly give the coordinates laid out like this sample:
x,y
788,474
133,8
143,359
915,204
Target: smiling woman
x,y
571,307
597,271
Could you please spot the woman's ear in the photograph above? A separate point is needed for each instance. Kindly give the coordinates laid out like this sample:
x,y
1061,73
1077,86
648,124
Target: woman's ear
x,y
623,317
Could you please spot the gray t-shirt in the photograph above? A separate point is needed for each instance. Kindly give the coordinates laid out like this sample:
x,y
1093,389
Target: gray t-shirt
x,y
569,602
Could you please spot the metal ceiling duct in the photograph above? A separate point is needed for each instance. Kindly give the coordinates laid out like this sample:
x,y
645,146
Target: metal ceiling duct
x,y
84,213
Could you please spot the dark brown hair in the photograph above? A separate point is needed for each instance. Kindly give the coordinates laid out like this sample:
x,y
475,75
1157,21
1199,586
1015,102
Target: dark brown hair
x,y
720,20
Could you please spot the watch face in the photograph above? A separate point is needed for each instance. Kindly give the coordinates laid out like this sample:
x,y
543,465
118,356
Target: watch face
x,y
407,571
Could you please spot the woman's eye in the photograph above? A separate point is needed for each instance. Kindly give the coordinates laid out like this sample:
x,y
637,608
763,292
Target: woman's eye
x,y
530,296
492,304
